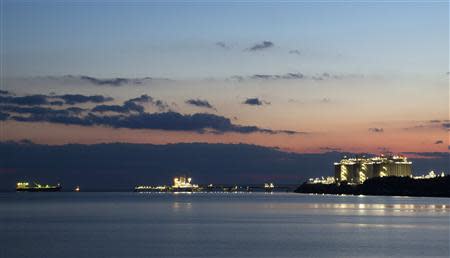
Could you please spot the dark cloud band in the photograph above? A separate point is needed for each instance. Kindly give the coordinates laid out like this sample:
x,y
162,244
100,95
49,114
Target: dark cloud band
x,y
199,103
376,130
131,114
255,102
53,100
261,46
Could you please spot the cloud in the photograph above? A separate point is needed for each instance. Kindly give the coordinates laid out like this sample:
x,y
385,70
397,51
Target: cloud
x,y
161,105
3,116
132,105
261,46
295,52
113,81
287,76
125,108
52,100
75,110
72,99
432,155
330,149
328,76
199,122
40,111
131,114
142,99
25,142
199,103
295,101
56,103
294,76
255,102
421,126
376,130
135,103
384,150
223,45
31,100
85,80
439,142
172,121
430,124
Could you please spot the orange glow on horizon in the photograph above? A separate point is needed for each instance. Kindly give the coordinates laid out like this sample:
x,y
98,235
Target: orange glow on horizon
x,y
355,140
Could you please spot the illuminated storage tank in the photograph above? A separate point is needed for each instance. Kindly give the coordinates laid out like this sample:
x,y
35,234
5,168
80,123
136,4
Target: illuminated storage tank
x,y
357,170
399,166
354,170
346,171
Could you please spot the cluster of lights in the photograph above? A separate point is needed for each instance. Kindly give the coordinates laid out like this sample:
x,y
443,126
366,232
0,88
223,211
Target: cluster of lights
x,y
322,180
147,187
36,185
269,186
183,182
374,160
22,184
431,174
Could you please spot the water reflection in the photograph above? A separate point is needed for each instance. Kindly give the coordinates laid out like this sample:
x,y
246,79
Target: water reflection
x,y
181,206
380,206
391,226
222,225
361,209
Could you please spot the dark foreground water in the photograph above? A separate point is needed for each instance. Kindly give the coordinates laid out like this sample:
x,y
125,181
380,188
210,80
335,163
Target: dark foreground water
x,y
65,225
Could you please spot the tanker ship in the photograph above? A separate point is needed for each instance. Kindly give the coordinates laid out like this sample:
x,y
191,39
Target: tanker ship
x,y
35,187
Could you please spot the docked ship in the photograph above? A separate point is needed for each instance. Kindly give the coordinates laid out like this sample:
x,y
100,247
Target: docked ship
x,y
183,184
180,184
35,187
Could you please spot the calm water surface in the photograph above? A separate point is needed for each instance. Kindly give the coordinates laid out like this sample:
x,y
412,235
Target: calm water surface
x,y
65,225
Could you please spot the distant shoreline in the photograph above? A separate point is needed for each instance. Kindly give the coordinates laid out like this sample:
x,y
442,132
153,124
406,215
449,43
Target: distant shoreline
x,y
385,186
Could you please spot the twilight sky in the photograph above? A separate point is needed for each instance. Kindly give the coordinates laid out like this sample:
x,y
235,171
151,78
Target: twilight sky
x,y
304,76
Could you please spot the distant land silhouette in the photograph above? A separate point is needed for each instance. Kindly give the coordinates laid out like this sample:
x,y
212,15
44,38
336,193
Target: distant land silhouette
x,y
395,186
125,165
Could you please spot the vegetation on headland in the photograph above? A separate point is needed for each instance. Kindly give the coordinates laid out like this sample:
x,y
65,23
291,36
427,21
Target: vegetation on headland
x,y
391,186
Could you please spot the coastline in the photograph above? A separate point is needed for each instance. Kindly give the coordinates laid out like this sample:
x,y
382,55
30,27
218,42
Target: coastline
x,y
385,186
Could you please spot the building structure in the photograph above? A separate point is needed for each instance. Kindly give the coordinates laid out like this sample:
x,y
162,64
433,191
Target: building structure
x,y
359,169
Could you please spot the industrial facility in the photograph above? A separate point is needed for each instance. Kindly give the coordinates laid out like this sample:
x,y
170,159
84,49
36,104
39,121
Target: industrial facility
x,y
357,170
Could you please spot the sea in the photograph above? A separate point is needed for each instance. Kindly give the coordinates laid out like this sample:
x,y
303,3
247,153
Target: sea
x,y
119,224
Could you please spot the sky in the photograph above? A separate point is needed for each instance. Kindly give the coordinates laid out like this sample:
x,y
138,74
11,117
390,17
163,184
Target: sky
x,y
302,76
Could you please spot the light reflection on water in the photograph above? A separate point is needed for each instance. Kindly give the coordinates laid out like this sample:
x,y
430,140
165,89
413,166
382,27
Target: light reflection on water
x,y
378,206
221,225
